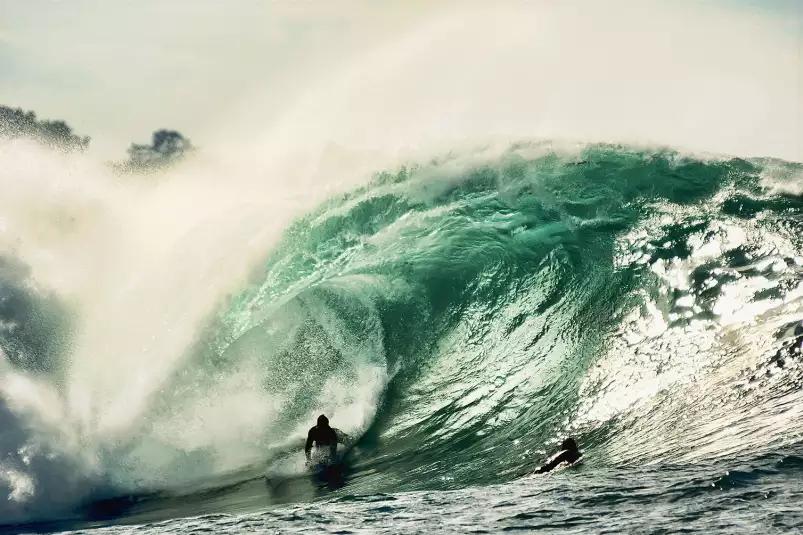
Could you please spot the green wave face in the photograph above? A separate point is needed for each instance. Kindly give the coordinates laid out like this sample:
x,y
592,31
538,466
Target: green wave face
x,y
463,318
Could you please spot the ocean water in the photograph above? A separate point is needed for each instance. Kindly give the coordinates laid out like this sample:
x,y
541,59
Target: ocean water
x,y
459,316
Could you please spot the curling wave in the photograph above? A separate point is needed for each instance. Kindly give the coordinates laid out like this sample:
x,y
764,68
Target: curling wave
x,y
458,316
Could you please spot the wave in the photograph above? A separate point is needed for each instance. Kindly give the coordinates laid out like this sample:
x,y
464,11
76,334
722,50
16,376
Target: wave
x,y
461,316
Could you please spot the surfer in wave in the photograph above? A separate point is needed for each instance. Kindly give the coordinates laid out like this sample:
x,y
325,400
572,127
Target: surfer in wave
x,y
324,436
569,454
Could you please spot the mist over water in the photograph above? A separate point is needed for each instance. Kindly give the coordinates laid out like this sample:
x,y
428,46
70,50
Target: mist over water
x,y
159,332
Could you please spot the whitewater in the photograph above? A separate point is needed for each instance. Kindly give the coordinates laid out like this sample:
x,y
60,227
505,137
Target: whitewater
x,y
497,227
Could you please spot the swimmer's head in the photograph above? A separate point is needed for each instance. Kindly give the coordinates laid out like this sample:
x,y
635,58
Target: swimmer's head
x,y
569,444
323,421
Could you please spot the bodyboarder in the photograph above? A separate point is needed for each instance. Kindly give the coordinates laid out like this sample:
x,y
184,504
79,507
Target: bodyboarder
x,y
569,454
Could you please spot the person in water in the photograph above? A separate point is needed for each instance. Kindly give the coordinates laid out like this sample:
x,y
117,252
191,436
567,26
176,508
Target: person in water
x,y
569,454
322,435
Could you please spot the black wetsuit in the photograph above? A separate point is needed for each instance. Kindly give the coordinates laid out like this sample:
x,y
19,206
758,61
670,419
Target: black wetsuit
x,y
565,456
322,436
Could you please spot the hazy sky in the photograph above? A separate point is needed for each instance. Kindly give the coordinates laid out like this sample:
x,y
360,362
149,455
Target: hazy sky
x,y
118,69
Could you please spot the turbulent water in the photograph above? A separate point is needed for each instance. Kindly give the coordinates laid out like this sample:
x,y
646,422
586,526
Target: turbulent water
x,y
459,316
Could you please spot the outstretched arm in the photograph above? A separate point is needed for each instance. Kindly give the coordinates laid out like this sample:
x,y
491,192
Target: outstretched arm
x,y
342,437
564,456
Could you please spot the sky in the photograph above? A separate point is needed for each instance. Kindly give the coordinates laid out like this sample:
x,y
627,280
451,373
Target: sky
x,y
117,70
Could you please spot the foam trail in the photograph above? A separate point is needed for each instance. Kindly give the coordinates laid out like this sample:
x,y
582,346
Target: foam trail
x,y
141,266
